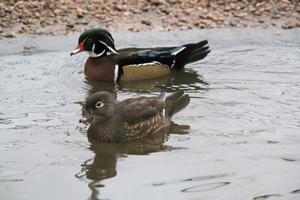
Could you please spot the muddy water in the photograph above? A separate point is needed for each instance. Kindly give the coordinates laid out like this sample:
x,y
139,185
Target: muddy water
x,y
238,138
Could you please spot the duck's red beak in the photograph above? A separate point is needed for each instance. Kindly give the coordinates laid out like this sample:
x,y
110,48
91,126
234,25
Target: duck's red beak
x,y
79,49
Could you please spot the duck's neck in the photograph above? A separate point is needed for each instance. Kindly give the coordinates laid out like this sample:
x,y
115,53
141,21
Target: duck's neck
x,y
100,132
101,68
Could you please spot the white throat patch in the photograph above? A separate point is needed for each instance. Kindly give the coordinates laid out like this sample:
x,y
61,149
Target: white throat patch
x,y
93,55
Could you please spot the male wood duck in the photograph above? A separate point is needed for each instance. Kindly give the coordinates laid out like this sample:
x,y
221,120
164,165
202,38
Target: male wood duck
x,y
106,63
133,118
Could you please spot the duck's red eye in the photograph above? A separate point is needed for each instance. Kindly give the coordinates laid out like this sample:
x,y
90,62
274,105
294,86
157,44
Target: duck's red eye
x,y
89,40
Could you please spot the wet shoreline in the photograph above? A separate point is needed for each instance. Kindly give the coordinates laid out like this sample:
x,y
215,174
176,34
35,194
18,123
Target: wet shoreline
x,y
74,16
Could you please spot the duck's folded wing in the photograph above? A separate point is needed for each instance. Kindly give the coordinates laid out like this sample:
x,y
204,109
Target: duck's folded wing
x,y
140,109
147,56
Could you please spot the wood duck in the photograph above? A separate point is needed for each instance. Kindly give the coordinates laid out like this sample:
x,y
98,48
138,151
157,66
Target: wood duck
x,y
133,118
106,63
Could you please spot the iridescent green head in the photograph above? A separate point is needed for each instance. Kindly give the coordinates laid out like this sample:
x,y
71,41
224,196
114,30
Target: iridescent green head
x,y
97,42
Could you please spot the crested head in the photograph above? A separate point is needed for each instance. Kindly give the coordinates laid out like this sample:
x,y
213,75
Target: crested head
x,y
101,105
97,42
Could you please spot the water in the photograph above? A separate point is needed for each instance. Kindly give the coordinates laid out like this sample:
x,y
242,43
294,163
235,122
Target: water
x,y
238,138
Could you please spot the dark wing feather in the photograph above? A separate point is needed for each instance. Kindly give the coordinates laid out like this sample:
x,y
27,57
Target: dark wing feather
x,y
174,57
191,53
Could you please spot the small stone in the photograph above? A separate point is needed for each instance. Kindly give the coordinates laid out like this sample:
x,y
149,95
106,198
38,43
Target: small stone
x,y
157,2
83,22
56,11
287,26
275,17
134,29
261,21
9,35
118,8
70,26
80,12
146,22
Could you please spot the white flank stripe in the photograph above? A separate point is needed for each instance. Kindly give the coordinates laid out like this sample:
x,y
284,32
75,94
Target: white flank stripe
x,y
156,62
145,64
110,48
116,73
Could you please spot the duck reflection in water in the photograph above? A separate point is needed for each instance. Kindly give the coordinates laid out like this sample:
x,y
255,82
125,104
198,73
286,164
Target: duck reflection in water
x,y
184,80
104,164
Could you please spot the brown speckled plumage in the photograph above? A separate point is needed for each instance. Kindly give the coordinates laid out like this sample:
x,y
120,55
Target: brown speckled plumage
x,y
131,119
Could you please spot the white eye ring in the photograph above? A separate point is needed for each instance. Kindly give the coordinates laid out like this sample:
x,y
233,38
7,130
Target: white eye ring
x,y
99,104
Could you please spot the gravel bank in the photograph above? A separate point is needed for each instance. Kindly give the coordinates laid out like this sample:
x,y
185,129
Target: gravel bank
x,y
60,17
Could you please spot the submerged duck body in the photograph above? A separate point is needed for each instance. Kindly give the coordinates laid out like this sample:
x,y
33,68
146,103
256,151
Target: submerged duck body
x,y
106,63
131,119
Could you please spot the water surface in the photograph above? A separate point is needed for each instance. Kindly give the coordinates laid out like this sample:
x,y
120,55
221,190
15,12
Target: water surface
x,y
238,138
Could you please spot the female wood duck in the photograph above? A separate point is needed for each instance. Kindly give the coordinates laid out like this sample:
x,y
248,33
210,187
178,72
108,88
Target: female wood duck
x,y
106,63
131,119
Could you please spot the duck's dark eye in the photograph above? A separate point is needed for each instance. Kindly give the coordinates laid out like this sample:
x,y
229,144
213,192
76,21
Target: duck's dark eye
x,y
89,40
99,104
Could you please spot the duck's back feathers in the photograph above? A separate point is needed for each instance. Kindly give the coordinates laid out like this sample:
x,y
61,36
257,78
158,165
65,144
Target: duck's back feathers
x,y
143,108
139,109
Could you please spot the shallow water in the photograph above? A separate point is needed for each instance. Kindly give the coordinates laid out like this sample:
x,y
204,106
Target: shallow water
x,y
238,138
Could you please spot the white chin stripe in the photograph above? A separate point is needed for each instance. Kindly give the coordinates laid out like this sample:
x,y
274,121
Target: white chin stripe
x,y
110,48
116,74
93,55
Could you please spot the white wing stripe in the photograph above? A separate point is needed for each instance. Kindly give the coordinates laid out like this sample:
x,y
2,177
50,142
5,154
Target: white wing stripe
x,y
176,52
116,73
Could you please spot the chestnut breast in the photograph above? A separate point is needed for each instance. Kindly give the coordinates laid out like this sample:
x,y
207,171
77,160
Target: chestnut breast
x,y
100,69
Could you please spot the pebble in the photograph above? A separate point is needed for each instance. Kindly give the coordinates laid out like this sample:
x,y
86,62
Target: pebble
x,y
146,22
80,12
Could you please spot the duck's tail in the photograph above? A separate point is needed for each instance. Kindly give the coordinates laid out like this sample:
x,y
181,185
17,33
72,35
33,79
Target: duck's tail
x,y
175,103
189,53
